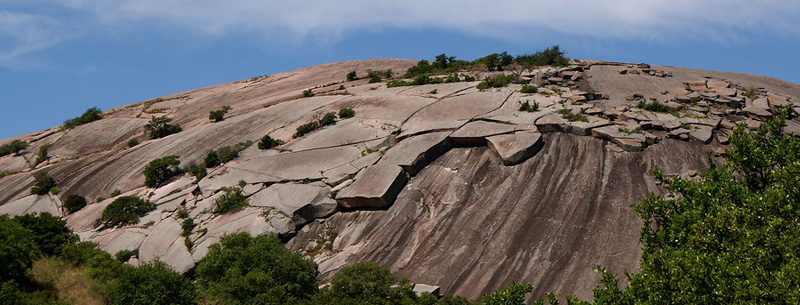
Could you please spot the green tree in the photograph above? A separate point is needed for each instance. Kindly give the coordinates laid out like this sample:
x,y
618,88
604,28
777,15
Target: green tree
x,y
159,127
351,76
42,184
729,237
345,113
231,200
90,115
161,170
367,283
219,114
152,284
13,148
242,269
17,249
513,295
267,142
50,233
125,210
212,159
74,203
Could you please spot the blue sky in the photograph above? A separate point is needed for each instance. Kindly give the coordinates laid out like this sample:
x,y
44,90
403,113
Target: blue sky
x,y
60,57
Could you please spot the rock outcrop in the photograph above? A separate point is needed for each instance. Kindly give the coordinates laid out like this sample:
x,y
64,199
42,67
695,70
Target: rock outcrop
x,y
446,184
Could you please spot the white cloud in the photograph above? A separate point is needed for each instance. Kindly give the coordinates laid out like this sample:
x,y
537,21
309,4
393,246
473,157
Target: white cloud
x,y
22,33
295,20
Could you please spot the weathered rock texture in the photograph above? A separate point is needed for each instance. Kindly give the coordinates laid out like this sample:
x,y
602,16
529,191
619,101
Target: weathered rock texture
x,y
458,189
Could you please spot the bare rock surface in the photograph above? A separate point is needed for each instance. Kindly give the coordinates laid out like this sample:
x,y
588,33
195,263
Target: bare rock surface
x,y
517,147
545,202
429,234
301,202
376,186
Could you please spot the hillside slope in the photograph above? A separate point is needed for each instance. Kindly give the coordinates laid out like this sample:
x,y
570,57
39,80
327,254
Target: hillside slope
x,y
444,183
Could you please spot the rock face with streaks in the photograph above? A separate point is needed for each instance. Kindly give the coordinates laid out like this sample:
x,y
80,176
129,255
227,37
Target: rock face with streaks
x,y
460,189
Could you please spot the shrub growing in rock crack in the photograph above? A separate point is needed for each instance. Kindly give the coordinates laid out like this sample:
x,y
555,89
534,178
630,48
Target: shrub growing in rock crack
x,y
159,127
161,170
42,184
125,210
231,200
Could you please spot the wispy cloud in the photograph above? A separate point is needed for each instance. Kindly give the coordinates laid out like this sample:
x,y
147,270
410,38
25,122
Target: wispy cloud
x,y
22,33
294,20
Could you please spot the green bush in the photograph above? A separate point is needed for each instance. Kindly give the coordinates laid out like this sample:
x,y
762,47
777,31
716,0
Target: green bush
x,y
497,81
41,155
528,89
267,142
374,76
366,283
74,203
218,115
345,113
211,159
328,119
496,61
225,154
513,295
525,106
42,184
50,233
242,269
351,76
198,171
231,200
133,142
305,128
90,115
187,226
572,117
124,255
308,93
125,210
98,263
552,56
159,171
152,283
17,249
13,148
159,127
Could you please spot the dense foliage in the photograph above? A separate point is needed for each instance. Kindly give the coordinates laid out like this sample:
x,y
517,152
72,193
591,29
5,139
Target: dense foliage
x,y
152,284
496,81
161,170
50,233
231,200
267,142
74,203
159,127
225,154
13,148
17,249
42,184
242,269
125,210
90,115
729,237
219,114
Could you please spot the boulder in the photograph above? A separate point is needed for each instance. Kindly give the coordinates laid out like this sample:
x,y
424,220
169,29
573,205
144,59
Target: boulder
x,y
517,147
414,153
702,133
475,133
33,204
300,202
165,244
376,186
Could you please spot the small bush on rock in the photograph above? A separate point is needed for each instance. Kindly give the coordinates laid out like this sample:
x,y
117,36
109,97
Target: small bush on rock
x,y
74,203
159,127
231,200
345,113
528,89
267,142
351,76
125,210
90,115
308,93
13,148
42,184
218,115
161,170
